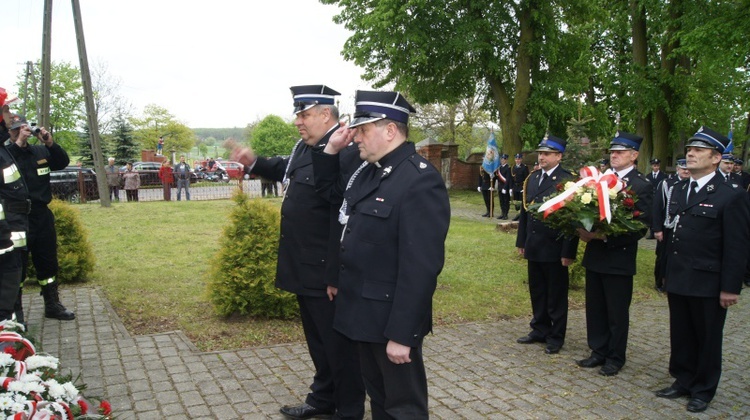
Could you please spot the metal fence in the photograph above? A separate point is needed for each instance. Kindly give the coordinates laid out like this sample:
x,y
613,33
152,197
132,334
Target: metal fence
x,y
203,190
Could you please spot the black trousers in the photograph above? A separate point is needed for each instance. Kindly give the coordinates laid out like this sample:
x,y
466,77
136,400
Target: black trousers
x,y
396,391
548,288
608,300
41,243
505,202
132,195
488,201
10,281
337,383
696,328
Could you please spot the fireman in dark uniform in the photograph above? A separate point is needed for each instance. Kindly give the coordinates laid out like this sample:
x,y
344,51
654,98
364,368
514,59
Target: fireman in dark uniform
x,y
518,172
504,186
396,214
308,258
35,163
14,223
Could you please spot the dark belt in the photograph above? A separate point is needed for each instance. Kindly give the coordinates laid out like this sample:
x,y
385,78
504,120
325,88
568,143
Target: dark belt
x,y
17,206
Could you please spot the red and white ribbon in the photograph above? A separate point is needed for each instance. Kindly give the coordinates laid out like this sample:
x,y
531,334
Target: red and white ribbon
x,y
592,178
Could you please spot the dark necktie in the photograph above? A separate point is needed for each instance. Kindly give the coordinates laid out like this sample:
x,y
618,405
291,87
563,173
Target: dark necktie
x,y
544,178
693,191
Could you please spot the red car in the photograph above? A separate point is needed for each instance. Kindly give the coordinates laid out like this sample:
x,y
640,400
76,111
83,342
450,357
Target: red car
x,y
235,170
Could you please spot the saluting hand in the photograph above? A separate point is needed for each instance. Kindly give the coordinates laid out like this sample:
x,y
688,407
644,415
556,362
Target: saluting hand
x,y
339,139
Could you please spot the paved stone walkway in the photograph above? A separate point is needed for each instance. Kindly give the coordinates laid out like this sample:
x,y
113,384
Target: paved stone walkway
x,y
476,371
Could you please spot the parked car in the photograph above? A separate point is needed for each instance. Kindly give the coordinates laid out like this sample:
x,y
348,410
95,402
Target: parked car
x,y
74,184
149,173
235,170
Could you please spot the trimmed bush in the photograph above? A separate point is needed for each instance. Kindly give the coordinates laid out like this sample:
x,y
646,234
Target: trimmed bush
x,y
74,252
242,273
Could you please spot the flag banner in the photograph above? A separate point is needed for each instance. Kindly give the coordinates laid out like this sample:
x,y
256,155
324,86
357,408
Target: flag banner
x,y
491,156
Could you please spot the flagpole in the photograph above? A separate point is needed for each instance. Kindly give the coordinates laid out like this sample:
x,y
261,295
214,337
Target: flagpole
x,y
492,196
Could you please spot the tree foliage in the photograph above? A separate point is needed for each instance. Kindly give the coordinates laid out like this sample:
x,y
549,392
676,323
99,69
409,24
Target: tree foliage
x,y
66,96
157,122
272,136
125,147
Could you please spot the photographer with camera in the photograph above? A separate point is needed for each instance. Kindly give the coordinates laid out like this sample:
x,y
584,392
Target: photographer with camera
x,y
35,163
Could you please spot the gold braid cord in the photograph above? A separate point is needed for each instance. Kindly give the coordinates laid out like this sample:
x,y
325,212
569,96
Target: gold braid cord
x,y
526,181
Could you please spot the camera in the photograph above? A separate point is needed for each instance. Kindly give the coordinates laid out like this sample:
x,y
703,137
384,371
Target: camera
x,y
36,130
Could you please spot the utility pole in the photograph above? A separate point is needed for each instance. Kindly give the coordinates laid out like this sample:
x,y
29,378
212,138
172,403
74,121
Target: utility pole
x,y
88,93
43,109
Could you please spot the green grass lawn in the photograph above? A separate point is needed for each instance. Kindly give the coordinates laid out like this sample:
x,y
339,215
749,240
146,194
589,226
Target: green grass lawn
x,y
152,259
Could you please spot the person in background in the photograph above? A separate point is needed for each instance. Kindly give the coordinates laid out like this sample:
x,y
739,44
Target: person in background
x,y
486,187
744,176
519,172
160,146
132,182
35,163
504,186
167,179
662,233
705,268
182,173
113,179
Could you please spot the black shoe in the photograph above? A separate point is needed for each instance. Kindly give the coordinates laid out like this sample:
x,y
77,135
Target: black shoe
x,y
552,349
670,393
529,339
305,411
609,370
486,215
696,405
58,311
592,361
518,216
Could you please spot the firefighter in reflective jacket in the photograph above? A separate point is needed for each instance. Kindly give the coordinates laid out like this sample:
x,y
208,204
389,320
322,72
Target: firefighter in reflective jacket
x,y
35,163
14,223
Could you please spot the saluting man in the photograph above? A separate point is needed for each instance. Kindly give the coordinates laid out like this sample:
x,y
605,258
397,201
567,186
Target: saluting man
x,y
308,258
705,267
547,253
610,266
396,214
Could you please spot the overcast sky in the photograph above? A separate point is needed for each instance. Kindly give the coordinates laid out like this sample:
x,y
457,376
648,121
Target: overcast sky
x,y
216,63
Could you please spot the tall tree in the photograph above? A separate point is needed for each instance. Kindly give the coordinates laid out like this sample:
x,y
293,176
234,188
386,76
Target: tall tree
x,y
440,51
66,96
455,123
126,149
272,136
157,122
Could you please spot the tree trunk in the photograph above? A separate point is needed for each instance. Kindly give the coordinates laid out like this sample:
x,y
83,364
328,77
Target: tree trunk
x,y
640,59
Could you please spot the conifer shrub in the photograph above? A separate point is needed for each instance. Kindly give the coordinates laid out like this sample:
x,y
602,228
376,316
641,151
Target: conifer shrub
x,y
75,254
242,273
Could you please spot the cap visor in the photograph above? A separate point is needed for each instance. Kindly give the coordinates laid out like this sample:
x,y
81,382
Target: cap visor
x,y
698,142
620,147
363,120
547,149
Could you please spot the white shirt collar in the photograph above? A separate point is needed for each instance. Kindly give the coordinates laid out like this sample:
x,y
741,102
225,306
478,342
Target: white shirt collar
x,y
703,180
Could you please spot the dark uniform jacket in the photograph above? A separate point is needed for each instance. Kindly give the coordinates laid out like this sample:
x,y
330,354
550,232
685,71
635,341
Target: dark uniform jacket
x,y
708,250
617,255
36,162
519,175
485,182
655,180
504,170
14,199
307,262
541,243
392,249
734,181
